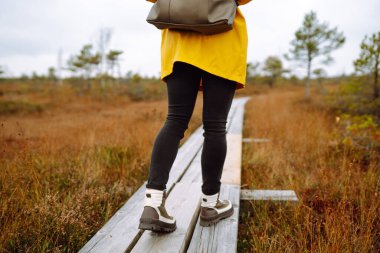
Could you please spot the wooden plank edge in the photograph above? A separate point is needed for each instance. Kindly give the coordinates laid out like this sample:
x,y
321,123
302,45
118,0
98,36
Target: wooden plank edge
x,y
190,231
276,195
256,140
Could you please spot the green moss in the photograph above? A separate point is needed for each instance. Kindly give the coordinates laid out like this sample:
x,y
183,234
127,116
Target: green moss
x,y
16,107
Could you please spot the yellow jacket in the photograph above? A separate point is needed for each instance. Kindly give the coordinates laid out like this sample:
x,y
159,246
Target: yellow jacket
x,y
223,54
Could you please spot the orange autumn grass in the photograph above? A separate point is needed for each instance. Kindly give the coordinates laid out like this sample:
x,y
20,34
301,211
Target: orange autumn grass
x,y
339,194
67,170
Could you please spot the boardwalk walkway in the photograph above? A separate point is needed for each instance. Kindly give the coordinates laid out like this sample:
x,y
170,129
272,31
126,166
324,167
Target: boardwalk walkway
x,y
121,233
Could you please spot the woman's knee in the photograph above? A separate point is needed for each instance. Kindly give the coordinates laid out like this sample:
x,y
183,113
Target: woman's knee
x,y
214,128
176,126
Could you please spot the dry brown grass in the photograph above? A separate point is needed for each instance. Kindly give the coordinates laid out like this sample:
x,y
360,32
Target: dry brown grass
x,y
339,194
67,169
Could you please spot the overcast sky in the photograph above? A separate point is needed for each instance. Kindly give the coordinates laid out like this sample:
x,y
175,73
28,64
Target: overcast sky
x,y
33,32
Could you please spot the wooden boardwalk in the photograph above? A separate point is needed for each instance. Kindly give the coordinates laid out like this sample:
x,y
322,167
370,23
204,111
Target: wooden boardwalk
x,y
121,233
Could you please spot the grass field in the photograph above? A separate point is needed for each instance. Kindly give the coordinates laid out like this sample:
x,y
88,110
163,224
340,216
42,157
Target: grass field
x,y
338,186
69,162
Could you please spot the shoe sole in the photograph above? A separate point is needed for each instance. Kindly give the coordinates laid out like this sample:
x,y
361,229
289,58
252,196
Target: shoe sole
x,y
206,222
156,225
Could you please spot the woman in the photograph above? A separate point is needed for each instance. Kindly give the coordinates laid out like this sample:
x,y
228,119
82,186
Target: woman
x,y
192,62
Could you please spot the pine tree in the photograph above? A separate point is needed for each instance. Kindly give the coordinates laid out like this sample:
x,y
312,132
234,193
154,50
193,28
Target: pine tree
x,y
312,40
369,59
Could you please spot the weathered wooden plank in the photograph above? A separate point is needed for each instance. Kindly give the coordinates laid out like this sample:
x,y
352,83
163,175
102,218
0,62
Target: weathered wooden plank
x,y
237,121
194,172
222,237
232,111
232,165
284,195
184,204
256,140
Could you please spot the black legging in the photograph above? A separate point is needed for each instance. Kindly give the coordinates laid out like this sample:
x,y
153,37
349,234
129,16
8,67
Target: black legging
x,y
182,90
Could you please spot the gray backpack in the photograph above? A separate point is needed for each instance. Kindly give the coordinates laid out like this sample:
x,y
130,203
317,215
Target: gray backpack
x,y
204,16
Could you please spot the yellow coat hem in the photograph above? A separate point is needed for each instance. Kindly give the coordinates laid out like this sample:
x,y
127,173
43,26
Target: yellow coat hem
x,y
240,83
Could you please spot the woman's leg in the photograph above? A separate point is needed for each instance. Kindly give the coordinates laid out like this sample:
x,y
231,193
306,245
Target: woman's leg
x,y
218,94
182,90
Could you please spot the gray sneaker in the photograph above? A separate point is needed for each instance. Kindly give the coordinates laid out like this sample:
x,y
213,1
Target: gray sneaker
x,y
154,216
210,215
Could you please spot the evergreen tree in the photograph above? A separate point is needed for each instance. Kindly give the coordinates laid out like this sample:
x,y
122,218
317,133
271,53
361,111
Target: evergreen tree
x,y
273,67
86,61
369,59
312,40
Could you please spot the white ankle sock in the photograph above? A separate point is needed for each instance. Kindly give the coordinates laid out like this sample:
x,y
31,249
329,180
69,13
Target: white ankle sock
x,y
209,200
155,197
